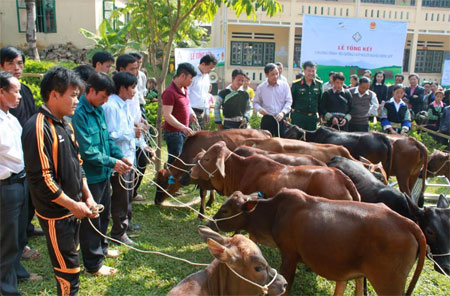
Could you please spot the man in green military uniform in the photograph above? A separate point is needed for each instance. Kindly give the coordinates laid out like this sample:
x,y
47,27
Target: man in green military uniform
x,y
306,93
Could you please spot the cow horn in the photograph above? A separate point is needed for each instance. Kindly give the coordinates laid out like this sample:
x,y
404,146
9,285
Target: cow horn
x,y
442,202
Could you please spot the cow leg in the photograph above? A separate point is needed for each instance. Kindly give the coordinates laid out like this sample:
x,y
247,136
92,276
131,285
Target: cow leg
x,y
403,184
359,287
212,198
202,202
289,262
340,288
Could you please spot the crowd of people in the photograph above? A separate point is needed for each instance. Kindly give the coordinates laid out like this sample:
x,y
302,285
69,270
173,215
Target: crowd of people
x,y
86,145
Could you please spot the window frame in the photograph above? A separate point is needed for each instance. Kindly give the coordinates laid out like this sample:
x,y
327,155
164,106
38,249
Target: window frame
x,y
426,61
258,58
41,15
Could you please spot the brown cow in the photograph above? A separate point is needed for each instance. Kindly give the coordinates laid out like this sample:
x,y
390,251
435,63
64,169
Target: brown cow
x,y
338,240
192,146
439,164
229,172
409,156
323,152
283,158
239,253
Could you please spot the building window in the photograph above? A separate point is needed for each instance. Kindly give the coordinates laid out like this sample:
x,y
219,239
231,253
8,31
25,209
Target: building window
x,y
297,50
252,53
406,60
436,3
45,16
379,1
108,6
429,61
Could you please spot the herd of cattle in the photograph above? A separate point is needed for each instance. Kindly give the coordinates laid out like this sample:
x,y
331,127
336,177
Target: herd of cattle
x,y
322,199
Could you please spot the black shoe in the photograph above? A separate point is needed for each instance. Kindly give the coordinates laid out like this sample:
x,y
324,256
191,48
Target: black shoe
x,y
126,240
36,232
134,227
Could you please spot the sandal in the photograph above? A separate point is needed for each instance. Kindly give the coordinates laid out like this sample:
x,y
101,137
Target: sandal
x,y
103,271
29,254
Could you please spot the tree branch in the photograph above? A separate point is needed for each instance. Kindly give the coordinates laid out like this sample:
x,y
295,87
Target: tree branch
x,y
183,18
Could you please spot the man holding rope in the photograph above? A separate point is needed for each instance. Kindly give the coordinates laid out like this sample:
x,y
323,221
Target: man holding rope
x,y
99,154
273,99
57,182
176,110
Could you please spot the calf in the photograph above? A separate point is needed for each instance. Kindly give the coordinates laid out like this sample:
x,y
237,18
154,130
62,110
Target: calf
x,y
259,173
238,253
191,147
375,147
338,240
409,157
369,187
434,222
323,152
283,158
439,164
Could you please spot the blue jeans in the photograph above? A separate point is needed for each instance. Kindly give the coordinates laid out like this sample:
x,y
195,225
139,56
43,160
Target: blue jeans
x,y
174,141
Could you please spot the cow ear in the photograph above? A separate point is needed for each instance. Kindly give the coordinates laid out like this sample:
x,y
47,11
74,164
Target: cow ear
x,y
207,233
249,206
165,166
415,212
442,202
219,251
221,164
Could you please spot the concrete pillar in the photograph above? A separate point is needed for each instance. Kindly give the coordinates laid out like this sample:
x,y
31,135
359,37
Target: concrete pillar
x,y
413,52
290,77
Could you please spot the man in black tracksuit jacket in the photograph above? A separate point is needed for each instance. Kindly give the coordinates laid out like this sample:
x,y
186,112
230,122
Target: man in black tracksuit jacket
x,y
57,185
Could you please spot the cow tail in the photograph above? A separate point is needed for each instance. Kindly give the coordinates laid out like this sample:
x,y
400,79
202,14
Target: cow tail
x,y
351,188
388,166
422,253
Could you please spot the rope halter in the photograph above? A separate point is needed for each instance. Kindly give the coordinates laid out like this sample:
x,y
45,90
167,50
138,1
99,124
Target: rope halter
x,y
265,288
231,217
431,256
211,175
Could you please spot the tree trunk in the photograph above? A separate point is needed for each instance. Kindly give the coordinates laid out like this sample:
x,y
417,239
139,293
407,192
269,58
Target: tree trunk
x,y
31,29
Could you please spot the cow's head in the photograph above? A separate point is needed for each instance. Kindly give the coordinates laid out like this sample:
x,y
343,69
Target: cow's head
x,y
376,169
244,257
211,163
294,132
439,164
435,224
237,203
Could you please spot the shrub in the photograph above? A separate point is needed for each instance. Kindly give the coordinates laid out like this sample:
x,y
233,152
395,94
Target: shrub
x,y
40,68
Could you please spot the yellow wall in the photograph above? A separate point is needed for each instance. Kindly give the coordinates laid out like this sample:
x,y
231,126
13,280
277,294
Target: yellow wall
x,y
71,15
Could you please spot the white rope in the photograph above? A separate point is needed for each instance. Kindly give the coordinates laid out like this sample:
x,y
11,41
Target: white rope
x,y
210,175
430,256
264,288
435,172
100,209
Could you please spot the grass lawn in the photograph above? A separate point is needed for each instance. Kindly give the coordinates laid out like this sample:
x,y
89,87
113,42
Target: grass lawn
x,y
173,231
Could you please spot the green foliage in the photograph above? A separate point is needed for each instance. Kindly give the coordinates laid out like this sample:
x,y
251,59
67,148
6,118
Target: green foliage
x,y
255,121
41,67
151,111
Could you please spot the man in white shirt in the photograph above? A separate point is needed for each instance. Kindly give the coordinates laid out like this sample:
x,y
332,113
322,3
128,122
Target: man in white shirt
x,y
129,63
280,71
13,189
198,92
273,99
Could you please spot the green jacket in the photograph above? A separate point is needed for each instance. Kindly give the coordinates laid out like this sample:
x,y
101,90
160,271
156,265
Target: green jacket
x,y
98,151
306,98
